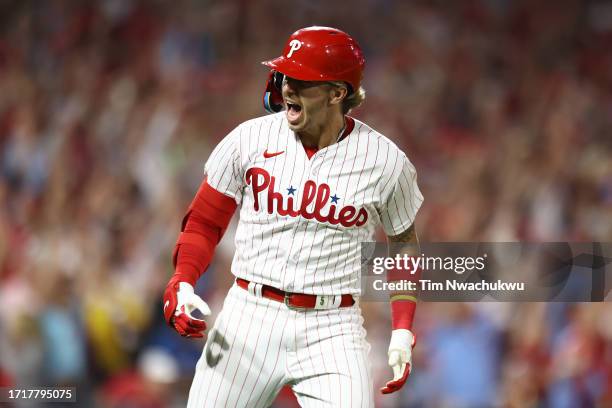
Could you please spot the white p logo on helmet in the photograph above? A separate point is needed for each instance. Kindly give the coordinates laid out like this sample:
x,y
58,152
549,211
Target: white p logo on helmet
x,y
295,45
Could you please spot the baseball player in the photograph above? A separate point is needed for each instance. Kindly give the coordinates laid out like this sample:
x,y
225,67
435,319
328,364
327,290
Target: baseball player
x,y
311,183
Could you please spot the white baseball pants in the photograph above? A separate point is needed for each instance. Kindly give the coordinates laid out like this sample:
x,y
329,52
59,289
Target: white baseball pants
x,y
258,345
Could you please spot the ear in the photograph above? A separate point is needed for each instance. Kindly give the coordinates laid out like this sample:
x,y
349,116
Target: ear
x,y
337,94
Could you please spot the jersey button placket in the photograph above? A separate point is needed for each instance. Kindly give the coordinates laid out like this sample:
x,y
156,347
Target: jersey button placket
x,y
315,164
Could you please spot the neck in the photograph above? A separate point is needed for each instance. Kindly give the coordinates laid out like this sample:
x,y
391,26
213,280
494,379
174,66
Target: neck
x,y
323,135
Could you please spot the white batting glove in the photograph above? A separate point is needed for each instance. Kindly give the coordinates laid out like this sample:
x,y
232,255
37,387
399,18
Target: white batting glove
x,y
400,358
179,302
187,301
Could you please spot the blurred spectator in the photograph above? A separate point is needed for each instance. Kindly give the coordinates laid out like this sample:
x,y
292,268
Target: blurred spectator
x,y
63,341
464,358
109,109
150,386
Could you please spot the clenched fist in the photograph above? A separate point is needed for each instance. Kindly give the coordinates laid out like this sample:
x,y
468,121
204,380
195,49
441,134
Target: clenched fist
x,y
179,302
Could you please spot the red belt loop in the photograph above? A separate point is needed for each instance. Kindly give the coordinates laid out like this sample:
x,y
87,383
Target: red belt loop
x,y
294,300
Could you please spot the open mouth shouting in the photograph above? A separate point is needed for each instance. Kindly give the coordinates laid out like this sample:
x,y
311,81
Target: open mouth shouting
x,y
294,111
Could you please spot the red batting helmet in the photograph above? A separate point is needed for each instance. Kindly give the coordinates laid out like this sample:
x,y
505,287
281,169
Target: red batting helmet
x,y
316,54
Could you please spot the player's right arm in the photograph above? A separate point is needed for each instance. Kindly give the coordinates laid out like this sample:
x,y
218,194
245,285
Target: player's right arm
x,y
202,228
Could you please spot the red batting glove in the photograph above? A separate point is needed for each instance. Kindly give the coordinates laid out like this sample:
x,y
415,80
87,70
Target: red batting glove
x,y
179,302
400,359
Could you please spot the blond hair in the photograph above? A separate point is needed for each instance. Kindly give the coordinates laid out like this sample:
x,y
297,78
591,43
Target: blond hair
x,y
352,100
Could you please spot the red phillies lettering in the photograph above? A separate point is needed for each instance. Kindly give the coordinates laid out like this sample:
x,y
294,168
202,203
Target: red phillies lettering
x,y
346,214
362,217
322,197
278,197
260,180
252,178
310,190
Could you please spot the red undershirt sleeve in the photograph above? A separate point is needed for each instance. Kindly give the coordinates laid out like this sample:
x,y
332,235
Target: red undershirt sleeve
x,y
402,312
403,304
203,227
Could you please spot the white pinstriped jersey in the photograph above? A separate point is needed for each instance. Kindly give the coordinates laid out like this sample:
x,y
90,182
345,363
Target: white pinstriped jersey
x,y
302,220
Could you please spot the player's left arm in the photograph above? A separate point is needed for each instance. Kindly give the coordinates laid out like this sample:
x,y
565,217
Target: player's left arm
x,y
402,200
403,305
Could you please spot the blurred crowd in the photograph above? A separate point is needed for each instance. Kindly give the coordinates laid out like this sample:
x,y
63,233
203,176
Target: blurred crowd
x,y
109,109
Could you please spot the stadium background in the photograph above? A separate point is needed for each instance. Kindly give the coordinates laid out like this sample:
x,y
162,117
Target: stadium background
x,y
108,110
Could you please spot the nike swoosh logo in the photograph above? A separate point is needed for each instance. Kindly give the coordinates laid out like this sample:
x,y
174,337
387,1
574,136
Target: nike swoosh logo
x,y
267,155
166,304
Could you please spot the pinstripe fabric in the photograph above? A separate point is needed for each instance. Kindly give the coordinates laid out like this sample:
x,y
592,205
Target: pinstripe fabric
x,y
365,170
240,367
258,345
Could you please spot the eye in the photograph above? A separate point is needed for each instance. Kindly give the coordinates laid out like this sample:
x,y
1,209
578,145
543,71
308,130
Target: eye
x,y
298,84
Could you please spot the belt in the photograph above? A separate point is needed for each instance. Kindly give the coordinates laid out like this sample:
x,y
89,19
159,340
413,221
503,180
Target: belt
x,y
296,300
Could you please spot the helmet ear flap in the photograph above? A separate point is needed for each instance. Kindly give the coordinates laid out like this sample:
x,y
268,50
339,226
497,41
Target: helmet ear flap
x,y
278,80
273,97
